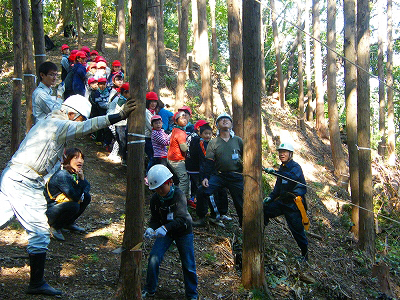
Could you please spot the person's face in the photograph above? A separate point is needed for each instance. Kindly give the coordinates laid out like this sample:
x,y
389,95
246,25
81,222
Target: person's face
x,y
182,121
118,81
152,105
93,57
164,189
224,123
94,85
49,79
157,125
66,51
93,70
81,60
284,156
187,115
206,135
126,94
101,71
117,68
102,86
77,162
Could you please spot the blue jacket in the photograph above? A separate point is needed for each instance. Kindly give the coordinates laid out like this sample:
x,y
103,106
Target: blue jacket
x,y
166,116
293,171
78,80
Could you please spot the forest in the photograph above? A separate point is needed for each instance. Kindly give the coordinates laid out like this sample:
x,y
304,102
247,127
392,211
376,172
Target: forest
x,y
324,74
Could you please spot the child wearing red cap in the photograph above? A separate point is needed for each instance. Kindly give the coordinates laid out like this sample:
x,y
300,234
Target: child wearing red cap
x,y
65,66
116,68
151,107
159,140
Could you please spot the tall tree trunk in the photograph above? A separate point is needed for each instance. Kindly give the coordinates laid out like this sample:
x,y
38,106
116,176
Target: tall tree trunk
x,y
183,33
121,33
78,23
152,52
236,63
334,131
204,60
350,79
131,269
162,60
100,33
389,72
116,17
65,14
278,55
253,221
213,33
310,109
262,26
195,29
319,89
17,80
27,51
381,76
300,66
367,233
38,33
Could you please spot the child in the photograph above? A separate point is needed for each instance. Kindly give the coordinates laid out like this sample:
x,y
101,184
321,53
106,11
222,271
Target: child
x,y
101,70
64,61
92,86
93,55
116,68
159,140
151,107
169,222
79,71
177,152
117,82
188,111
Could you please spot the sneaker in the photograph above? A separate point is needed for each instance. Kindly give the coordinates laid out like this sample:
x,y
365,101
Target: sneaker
x,y
191,203
57,234
115,159
75,228
217,222
225,218
146,294
199,223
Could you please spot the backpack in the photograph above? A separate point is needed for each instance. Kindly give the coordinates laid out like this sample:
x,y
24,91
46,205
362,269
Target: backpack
x,y
68,80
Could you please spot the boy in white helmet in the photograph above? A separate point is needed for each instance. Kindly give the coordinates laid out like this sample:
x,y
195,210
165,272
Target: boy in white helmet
x,y
287,198
170,221
22,183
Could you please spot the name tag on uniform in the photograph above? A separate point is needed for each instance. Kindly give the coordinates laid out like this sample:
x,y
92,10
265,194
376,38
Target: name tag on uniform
x,y
170,216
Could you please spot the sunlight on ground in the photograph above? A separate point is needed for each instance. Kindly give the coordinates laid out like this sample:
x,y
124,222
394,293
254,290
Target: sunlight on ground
x,y
111,45
14,237
68,269
111,231
15,272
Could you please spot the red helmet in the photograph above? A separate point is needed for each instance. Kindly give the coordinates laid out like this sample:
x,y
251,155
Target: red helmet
x,y
186,108
199,123
102,80
151,96
80,54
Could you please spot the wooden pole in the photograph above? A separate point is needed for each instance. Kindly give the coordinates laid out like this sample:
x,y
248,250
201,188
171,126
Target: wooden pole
x,y
38,33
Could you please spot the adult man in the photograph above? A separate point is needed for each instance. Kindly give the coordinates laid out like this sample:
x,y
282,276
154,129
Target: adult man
x,y
287,198
22,184
224,155
43,102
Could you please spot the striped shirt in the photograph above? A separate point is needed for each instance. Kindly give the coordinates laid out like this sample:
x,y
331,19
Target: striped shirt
x,y
160,141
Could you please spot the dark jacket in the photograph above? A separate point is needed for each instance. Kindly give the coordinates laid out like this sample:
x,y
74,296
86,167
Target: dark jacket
x,y
78,80
192,156
179,222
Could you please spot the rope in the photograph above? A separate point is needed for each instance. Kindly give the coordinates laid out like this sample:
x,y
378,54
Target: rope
x,y
333,50
347,201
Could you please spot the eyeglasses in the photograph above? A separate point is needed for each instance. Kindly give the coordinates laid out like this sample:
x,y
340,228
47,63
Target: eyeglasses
x,y
52,74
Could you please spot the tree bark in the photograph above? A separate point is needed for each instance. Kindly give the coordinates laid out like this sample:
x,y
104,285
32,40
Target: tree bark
x,y
195,29
236,63
263,34
162,60
121,33
334,131
389,74
319,93
65,14
78,23
130,271
310,108
301,123
38,33
27,51
350,79
152,52
381,76
278,55
253,224
100,33
204,60
183,33
213,33
366,221
17,81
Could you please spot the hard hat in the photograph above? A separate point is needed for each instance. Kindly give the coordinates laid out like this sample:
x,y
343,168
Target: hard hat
x,y
186,109
154,118
286,146
199,123
157,175
223,115
80,104
151,96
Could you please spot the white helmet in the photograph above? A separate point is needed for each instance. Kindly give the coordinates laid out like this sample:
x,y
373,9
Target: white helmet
x,y
286,146
80,104
157,175
223,115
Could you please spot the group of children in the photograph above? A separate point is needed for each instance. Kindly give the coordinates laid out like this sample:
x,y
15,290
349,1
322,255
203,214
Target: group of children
x,y
86,73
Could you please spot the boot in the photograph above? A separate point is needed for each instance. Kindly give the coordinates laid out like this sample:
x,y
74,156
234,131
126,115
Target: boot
x,y
37,284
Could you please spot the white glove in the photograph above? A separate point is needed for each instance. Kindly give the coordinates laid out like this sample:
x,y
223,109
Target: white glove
x,y
160,231
149,233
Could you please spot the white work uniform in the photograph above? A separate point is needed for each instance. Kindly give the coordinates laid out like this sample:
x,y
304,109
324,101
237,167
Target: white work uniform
x,y
43,102
22,184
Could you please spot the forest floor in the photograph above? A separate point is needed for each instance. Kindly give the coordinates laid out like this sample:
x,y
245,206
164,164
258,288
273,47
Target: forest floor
x,y
86,266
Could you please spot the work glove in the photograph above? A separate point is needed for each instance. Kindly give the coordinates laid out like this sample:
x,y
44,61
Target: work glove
x,y
267,200
269,170
160,231
129,107
149,233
